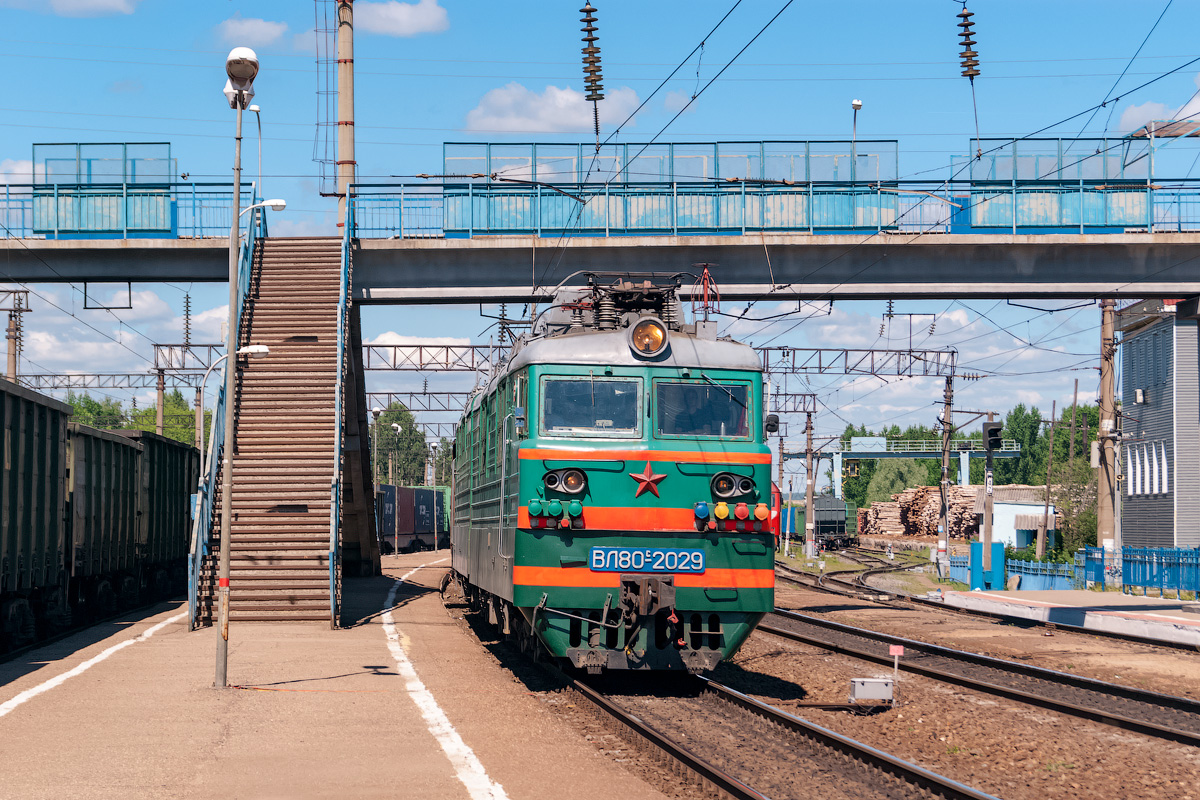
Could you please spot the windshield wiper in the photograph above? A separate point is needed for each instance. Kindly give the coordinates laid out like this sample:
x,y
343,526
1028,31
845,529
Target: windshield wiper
x,y
724,389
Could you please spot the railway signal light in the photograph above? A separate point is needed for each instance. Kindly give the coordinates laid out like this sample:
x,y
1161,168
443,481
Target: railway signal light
x,y
991,435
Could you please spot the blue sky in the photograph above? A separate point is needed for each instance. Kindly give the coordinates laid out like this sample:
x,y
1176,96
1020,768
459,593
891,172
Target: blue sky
x,y
439,70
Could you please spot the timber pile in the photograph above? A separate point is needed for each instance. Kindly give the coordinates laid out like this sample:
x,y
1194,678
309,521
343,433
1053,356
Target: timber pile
x,y
916,511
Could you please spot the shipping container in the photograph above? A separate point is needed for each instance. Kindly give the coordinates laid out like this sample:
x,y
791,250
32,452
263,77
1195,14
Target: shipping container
x,y
385,514
33,492
406,538
169,473
424,509
104,491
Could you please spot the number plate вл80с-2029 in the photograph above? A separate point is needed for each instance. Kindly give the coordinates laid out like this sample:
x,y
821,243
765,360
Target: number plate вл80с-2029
x,y
650,559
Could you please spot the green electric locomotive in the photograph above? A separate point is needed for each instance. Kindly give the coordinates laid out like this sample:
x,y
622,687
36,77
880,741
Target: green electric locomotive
x,y
612,486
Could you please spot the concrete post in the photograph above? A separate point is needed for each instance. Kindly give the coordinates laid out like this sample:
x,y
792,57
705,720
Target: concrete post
x,y
947,432
1045,526
14,336
810,540
1106,490
346,165
161,390
988,500
199,437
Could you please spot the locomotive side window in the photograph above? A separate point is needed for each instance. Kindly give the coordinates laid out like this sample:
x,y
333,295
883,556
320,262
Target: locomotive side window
x,y
591,407
703,409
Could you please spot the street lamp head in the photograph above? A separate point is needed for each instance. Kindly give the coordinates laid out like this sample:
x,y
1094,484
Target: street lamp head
x,y
276,205
241,65
856,104
254,350
376,411
231,94
396,427
254,108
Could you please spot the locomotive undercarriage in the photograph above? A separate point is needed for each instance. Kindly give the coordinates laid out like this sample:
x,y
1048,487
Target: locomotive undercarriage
x,y
642,630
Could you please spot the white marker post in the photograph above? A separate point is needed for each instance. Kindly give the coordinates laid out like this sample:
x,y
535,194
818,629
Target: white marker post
x,y
895,651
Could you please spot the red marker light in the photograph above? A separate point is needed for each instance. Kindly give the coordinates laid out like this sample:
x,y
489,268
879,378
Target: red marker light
x,y
742,511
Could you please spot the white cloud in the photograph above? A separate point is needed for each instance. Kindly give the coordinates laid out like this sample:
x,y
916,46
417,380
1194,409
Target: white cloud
x,y
76,8
305,42
514,108
1135,117
251,31
393,18
391,337
17,170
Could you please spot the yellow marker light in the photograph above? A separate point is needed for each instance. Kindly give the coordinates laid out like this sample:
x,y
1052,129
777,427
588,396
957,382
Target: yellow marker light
x,y
721,511
762,511
648,338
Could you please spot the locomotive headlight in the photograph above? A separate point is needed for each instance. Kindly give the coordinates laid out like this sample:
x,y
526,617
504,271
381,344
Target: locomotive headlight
x,y
745,486
572,481
648,338
552,480
724,485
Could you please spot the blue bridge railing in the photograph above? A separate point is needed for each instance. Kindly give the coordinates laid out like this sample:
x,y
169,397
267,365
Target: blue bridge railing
x,y
256,229
118,210
474,208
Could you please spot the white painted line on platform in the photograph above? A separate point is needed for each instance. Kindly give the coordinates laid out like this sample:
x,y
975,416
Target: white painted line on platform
x,y
466,765
58,680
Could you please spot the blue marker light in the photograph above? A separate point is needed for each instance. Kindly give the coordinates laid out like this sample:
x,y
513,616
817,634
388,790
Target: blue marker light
x,y
702,510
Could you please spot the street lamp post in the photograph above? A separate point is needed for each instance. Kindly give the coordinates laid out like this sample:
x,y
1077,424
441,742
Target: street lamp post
x,y
254,351
855,104
258,116
241,65
433,448
375,412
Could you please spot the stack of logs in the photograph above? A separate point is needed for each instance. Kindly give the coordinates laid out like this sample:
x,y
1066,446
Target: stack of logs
x,y
917,512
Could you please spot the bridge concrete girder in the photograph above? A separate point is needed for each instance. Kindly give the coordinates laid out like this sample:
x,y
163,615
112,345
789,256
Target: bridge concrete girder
x,y
496,269
113,260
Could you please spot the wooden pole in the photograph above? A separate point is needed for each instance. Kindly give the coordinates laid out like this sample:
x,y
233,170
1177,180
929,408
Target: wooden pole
x,y
1045,526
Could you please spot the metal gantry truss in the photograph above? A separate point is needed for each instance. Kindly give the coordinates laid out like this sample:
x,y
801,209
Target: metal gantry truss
x,y
420,401
111,380
846,361
422,357
187,357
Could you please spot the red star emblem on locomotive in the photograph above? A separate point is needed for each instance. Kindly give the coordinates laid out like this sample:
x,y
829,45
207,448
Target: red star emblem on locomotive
x,y
646,480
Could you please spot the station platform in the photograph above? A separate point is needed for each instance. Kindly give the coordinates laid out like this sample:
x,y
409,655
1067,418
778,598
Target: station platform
x,y
402,702
1111,612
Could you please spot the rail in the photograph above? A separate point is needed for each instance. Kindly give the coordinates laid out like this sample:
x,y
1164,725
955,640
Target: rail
x,y
335,484
119,210
736,207
256,228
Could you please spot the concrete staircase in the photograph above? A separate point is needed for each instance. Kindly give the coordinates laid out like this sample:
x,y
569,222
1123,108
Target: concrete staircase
x,y
285,439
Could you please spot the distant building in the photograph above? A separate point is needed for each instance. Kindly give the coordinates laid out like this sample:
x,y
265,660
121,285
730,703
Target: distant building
x,y
1160,427
1017,513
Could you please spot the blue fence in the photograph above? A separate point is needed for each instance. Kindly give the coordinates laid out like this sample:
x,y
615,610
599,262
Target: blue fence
x,y
453,210
1160,568
1041,575
960,569
118,210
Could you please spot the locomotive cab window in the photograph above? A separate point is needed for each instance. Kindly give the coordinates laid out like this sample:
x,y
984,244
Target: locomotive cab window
x,y
703,409
590,406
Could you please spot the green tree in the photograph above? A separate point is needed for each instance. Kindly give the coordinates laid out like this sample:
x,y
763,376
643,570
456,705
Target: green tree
x,y
405,443
894,475
1025,426
179,418
106,413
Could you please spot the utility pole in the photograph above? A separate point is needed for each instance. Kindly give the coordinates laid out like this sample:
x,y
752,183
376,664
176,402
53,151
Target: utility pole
x,y
162,393
1106,489
947,432
199,403
990,433
14,338
810,543
1045,526
1074,403
346,164
391,481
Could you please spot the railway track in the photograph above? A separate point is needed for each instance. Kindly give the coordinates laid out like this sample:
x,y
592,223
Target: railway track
x,y
1159,715
746,749
838,582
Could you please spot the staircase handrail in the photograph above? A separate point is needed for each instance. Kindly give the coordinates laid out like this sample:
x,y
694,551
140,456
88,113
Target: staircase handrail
x,y
256,228
335,483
